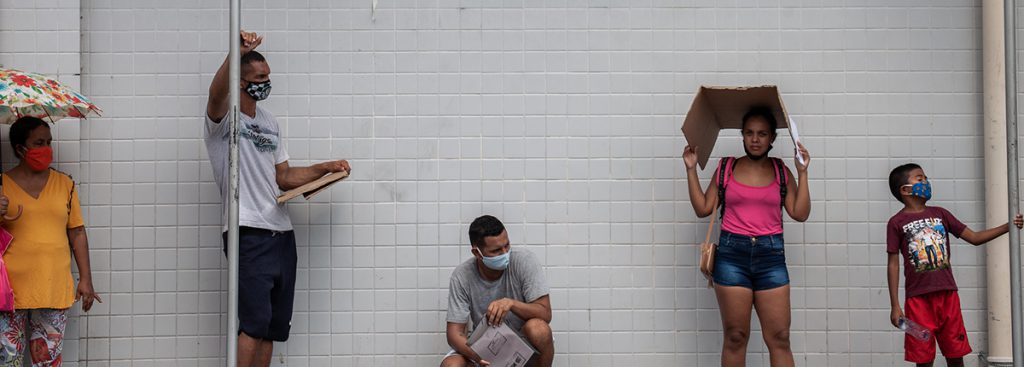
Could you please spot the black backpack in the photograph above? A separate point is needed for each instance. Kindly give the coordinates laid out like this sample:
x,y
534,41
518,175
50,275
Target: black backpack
x,y
728,164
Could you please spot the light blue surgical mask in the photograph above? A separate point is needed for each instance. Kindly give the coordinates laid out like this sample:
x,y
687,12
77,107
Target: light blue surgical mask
x,y
499,262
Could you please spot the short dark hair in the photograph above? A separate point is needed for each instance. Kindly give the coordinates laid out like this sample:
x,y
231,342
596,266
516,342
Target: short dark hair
x,y
251,57
764,112
483,227
20,130
899,177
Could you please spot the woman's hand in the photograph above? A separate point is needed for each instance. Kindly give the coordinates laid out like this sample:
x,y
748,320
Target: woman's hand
x,y
802,151
86,294
3,205
690,156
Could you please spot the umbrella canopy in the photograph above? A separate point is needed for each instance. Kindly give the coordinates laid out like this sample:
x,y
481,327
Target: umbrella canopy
x,y
717,108
30,94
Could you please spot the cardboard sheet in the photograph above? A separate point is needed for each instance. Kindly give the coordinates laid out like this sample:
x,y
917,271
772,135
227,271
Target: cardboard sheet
x,y
500,346
313,188
717,108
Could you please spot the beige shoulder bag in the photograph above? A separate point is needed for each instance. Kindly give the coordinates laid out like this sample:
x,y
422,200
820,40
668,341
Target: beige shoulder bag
x,y
707,252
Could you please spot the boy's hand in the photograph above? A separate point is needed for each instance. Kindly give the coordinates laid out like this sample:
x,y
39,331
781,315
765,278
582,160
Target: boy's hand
x,y
895,315
1018,221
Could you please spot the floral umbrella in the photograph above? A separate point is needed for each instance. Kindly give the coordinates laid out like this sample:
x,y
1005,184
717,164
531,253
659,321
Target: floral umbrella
x,y
29,94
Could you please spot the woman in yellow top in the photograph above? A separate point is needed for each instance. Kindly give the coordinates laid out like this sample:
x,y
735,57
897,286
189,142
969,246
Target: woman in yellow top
x,y
38,261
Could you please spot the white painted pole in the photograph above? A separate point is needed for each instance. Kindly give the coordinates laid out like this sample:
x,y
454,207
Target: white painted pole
x,y
234,76
1013,184
997,252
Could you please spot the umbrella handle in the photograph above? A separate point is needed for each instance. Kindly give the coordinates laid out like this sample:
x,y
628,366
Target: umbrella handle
x,y
16,216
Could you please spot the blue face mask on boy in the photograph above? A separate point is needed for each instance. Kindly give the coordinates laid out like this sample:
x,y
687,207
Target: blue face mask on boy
x,y
499,262
921,189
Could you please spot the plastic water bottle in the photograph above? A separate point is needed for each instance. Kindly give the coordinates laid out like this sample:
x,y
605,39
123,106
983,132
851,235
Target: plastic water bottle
x,y
914,329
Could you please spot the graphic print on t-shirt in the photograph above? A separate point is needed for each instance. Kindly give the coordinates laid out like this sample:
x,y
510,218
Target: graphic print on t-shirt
x,y
927,244
264,141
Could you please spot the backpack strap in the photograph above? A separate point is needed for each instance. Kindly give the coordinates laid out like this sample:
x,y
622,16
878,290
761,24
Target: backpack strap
x,y
780,172
725,167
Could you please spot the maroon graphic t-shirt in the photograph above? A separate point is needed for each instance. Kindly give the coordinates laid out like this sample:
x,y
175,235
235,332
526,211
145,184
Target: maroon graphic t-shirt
x,y
923,240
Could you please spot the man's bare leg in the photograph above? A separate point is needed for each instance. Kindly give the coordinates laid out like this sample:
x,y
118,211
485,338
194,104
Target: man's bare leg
x,y
538,333
248,350
265,353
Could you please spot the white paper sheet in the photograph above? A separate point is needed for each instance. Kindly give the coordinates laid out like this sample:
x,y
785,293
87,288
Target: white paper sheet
x,y
793,133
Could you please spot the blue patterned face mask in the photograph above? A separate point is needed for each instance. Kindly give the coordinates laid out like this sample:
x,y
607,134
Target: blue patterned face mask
x,y
258,91
921,189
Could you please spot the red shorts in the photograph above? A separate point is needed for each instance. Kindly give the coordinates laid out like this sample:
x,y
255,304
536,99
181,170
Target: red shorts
x,y
939,312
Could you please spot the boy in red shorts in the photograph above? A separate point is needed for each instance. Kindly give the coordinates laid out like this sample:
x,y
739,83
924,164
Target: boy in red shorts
x,y
921,234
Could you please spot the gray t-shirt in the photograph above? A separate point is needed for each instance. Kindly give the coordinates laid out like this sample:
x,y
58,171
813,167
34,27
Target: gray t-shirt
x,y
259,150
469,294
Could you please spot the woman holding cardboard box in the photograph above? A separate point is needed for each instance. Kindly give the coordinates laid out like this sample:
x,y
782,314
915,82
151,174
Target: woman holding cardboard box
x,y
749,264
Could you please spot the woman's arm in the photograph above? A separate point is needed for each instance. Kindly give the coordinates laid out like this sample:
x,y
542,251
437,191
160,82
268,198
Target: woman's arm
x,y
703,202
799,206
80,249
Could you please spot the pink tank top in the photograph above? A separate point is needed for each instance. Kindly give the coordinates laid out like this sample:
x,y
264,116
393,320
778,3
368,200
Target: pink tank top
x,y
752,210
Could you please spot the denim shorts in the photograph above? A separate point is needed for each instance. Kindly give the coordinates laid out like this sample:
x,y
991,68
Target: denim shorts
x,y
758,263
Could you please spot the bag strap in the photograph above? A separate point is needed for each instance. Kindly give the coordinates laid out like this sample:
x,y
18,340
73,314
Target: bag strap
x,y
726,165
711,225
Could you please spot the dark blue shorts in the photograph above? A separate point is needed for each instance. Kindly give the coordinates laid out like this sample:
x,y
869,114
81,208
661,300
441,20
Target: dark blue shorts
x,y
266,282
758,263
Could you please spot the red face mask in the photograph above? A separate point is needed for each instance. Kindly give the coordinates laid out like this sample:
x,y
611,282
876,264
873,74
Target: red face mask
x,y
38,159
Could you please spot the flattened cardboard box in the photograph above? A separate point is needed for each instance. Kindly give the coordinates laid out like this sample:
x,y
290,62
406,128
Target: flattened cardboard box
x,y
500,346
717,108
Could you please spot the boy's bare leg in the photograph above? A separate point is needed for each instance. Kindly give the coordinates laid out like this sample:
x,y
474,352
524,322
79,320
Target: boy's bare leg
x,y
955,362
929,364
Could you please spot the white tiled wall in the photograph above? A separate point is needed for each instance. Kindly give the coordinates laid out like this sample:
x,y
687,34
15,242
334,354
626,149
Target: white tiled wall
x,y
560,117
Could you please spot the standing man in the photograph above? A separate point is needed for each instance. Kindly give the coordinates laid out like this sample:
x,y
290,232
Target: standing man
x,y
498,285
266,242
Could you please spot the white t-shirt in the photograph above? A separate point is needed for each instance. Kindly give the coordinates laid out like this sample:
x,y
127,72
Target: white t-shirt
x,y
259,150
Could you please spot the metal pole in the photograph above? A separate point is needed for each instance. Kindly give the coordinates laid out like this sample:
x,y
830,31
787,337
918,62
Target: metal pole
x,y
997,251
234,76
1012,181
